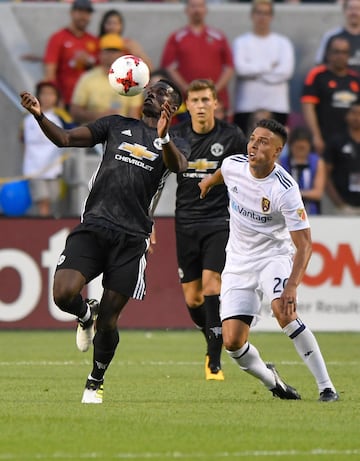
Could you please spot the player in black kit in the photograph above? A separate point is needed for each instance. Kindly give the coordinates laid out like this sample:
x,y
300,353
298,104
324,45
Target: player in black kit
x,y
113,236
202,225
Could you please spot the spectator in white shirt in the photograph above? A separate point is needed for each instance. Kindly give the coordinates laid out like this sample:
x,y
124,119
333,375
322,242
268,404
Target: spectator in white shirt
x,y
264,64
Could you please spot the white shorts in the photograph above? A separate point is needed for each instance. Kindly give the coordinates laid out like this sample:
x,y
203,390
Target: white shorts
x,y
243,289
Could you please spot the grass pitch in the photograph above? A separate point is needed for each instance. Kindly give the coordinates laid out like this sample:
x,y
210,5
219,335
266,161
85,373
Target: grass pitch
x,y
158,406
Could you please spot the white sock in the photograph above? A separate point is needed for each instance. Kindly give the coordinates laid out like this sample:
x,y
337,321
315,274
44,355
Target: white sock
x,y
93,379
249,360
307,347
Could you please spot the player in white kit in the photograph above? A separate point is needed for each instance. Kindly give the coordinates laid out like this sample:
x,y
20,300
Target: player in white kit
x,y
267,254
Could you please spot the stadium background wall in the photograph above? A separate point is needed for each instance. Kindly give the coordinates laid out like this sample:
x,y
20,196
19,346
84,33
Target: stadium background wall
x,y
329,298
26,26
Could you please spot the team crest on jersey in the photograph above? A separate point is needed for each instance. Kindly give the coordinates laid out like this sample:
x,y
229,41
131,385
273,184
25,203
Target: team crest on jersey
x,y
217,149
138,151
265,204
301,213
202,164
61,260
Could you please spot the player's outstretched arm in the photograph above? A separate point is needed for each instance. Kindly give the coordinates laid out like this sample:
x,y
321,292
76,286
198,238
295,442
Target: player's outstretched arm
x,y
210,181
77,137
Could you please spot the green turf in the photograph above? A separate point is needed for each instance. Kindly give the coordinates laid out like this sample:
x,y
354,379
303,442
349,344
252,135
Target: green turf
x,y
158,406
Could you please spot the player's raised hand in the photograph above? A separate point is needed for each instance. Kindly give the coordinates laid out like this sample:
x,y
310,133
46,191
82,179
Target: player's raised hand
x,y
30,103
167,112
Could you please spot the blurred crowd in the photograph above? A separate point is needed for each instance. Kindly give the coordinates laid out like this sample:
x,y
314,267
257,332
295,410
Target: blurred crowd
x,y
323,152
182,1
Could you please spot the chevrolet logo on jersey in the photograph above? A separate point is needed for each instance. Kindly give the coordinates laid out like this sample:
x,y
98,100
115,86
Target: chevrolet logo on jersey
x,y
202,164
138,151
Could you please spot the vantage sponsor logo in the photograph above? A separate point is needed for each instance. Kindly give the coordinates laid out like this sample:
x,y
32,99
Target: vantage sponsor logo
x,y
250,213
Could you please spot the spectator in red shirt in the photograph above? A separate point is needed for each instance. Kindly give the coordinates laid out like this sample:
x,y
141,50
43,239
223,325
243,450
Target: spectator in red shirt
x,y
199,51
71,50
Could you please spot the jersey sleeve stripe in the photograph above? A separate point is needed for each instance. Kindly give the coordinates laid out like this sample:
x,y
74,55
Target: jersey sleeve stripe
x,y
242,158
313,73
310,99
286,182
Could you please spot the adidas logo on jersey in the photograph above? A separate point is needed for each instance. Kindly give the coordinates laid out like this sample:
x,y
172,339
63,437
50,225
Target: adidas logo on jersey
x,y
126,132
234,189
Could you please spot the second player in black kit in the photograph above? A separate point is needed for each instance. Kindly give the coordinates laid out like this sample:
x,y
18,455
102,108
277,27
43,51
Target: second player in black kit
x,y
202,226
113,236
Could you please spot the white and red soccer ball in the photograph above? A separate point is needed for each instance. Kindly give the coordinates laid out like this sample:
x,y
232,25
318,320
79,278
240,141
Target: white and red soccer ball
x,y
129,75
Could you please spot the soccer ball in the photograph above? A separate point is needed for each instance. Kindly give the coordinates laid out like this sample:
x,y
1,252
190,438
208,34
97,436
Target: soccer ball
x,y
129,75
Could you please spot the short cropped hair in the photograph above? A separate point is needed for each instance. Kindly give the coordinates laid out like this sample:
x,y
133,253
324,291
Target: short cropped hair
x,y
177,93
255,3
275,127
202,84
333,39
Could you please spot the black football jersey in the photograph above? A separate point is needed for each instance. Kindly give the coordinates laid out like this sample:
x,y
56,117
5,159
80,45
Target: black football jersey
x,y
130,175
207,153
332,95
343,154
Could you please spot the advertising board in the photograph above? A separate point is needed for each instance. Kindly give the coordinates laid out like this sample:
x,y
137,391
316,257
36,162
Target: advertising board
x,y
329,297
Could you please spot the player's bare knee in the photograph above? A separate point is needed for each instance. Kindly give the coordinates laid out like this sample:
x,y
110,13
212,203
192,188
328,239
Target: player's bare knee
x,y
233,344
67,286
194,300
284,319
279,313
194,304
235,334
63,296
212,291
211,282
231,341
281,317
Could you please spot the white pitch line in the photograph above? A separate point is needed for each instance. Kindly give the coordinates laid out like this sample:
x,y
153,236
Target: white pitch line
x,y
148,362
44,363
181,455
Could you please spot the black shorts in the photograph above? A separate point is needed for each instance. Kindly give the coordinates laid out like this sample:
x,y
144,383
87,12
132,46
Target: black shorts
x,y
198,249
120,257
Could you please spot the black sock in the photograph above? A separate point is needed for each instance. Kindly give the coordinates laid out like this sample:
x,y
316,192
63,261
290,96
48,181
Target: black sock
x,y
213,330
105,344
198,316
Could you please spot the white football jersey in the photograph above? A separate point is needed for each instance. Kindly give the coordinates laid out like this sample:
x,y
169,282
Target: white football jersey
x,y
262,212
